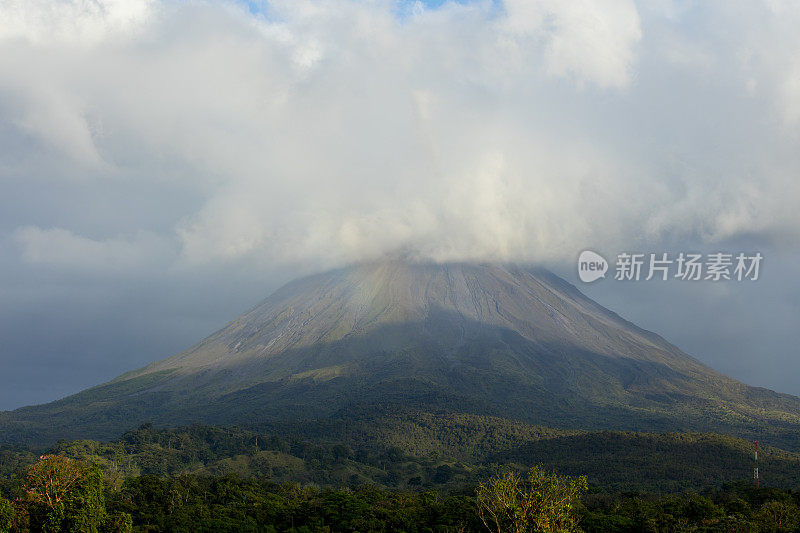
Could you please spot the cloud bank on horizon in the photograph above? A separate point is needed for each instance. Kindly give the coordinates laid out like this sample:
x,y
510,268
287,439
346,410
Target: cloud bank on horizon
x,y
143,135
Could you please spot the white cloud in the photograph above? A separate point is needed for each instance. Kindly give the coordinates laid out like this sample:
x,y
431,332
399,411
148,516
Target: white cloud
x,y
60,123
331,131
594,41
769,51
72,21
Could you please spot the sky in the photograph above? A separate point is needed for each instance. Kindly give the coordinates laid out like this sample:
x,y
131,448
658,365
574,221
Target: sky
x,y
166,164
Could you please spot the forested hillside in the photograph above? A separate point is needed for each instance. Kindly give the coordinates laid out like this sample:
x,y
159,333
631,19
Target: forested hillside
x,y
204,478
403,454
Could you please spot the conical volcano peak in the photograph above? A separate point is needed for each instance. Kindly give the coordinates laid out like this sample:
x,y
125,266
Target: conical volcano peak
x,y
484,338
447,304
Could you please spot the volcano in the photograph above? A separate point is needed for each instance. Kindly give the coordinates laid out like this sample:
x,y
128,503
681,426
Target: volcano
x,y
397,336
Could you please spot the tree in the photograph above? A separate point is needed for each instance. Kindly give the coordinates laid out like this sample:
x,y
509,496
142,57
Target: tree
x,y
777,515
539,502
6,515
63,494
118,523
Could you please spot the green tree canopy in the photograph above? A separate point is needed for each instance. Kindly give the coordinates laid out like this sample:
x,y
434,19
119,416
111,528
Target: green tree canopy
x,y
542,501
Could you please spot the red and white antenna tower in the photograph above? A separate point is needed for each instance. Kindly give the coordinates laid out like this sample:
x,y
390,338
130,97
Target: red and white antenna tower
x,y
755,470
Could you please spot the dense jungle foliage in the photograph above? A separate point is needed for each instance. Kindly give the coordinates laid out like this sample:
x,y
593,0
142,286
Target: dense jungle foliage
x,y
204,478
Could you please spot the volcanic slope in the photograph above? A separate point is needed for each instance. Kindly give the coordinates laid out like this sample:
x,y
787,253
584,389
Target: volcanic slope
x,y
387,337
